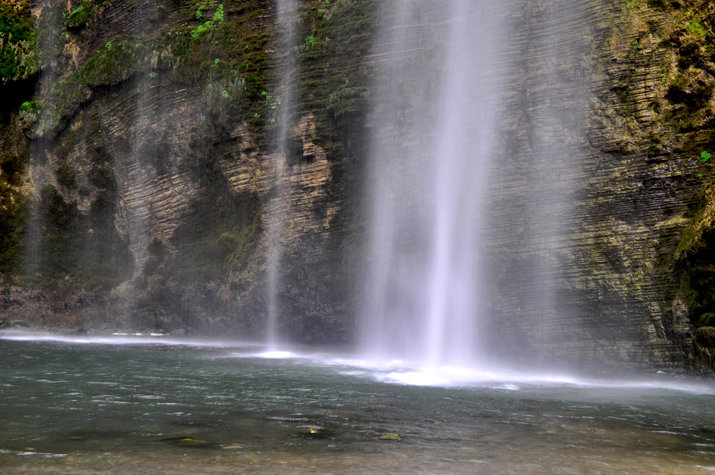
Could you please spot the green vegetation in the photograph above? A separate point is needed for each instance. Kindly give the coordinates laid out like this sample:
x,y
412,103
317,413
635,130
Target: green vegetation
x,y
18,59
209,25
218,14
239,57
115,64
30,107
705,156
109,66
336,33
79,16
696,28
202,29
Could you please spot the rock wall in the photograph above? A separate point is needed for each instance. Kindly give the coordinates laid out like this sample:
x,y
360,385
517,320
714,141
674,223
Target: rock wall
x,y
652,120
142,167
615,99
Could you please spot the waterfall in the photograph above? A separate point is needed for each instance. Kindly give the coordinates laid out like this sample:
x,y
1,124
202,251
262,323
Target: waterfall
x,y
34,252
137,209
434,137
474,172
279,198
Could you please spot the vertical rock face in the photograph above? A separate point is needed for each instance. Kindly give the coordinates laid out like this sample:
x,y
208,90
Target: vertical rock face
x,y
654,128
630,97
136,172
147,168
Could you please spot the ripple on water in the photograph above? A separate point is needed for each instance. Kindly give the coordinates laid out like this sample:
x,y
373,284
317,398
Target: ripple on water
x,y
269,407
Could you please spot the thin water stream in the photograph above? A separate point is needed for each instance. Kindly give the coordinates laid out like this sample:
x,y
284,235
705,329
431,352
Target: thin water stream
x,y
87,404
278,205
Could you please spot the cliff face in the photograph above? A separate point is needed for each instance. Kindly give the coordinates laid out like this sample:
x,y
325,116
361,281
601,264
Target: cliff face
x,y
139,170
631,85
651,123
137,152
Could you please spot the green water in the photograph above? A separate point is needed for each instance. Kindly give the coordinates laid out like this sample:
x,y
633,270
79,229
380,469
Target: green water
x,y
77,406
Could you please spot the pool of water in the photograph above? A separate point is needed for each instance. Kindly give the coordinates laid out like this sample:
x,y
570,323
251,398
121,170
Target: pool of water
x,y
127,404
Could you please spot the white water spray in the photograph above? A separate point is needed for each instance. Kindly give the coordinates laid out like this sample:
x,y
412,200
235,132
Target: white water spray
x,y
435,133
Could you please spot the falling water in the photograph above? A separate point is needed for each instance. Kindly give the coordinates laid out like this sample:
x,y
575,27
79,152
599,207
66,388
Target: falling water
x,y
279,199
435,136
137,211
51,21
557,91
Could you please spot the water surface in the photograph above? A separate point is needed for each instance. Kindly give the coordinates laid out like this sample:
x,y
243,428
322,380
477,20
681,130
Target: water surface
x,y
81,404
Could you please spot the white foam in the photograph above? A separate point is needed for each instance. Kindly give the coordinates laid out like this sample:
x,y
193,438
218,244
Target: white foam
x,y
276,355
413,374
391,371
117,339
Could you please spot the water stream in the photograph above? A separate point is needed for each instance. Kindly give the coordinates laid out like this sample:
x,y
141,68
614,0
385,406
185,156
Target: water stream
x,y
33,252
280,200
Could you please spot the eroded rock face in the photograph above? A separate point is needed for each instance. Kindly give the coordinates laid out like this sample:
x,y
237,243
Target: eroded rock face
x,y
148,172
705,347
650,118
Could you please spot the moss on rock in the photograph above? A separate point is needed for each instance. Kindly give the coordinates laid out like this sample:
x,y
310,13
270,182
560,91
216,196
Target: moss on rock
x,y
18,59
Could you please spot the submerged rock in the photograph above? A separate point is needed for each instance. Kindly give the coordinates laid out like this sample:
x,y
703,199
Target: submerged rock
x,y
190,442
232,447
317,433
